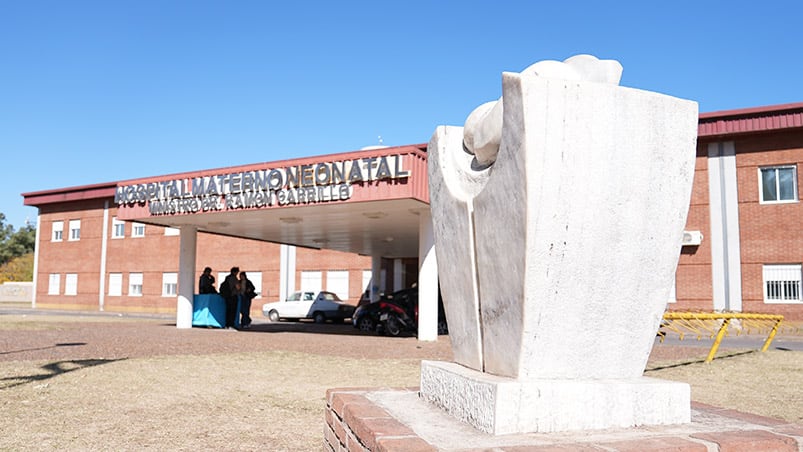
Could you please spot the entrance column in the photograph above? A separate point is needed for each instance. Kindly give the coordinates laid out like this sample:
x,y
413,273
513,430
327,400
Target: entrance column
x,y
287,271
398,275
376,276
427,279
186,276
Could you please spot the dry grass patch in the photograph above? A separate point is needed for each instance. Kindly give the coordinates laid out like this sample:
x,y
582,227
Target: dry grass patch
x,y
38,322
768,384
95,391
249,401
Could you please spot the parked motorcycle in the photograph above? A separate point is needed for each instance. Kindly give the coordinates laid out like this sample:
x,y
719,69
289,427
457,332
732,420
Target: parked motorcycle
x,y
394,319
399,314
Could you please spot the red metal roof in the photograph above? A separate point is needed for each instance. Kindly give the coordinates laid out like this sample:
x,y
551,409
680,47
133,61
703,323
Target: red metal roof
x,y
751,120
79,193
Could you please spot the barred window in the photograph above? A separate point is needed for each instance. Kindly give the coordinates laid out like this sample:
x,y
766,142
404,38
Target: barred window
x,y
782,283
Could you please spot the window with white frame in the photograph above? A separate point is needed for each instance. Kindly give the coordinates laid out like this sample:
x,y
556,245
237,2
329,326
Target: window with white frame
x,y
71,284
169,284
137,230
256,280
115,284
54,284
782,283
118,228
75,230
172,231
311,281
338,282
135,284
778,184
58,231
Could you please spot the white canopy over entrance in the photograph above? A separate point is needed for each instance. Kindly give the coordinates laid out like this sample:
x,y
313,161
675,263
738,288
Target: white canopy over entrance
x,y
373,203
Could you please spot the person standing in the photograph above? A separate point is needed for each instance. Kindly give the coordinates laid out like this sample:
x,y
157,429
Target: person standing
x,y
230,291
248,292
206,284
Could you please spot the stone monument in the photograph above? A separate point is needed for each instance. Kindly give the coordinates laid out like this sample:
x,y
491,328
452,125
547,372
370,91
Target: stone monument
x,y
558,213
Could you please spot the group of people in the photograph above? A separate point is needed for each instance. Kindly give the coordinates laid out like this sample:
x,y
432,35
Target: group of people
x,y
235,288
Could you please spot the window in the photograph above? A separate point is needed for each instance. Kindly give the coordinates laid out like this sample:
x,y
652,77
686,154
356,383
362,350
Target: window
x,y
54,285
311,281
115,284
71,284
172,231
782,283
338,282
75,229
58,231
256,280
778,184
135,284
137,230
118,228
169,284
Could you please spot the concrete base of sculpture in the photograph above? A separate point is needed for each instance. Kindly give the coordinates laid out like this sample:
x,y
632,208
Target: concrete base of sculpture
x,y
500,405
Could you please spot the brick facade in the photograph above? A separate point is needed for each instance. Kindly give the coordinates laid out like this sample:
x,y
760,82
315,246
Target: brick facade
x,y
157,253
768,233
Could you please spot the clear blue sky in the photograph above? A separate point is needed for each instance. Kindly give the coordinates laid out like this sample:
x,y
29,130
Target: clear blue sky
x,y
101,91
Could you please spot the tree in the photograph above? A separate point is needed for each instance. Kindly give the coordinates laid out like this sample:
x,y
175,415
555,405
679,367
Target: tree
x,y
20,243
17,269
15,244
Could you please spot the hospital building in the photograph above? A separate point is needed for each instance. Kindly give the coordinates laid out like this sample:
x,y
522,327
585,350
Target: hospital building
x,y
359,221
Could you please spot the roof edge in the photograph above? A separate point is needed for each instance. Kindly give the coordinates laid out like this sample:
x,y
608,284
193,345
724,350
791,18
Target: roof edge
x,y
107,189
724,114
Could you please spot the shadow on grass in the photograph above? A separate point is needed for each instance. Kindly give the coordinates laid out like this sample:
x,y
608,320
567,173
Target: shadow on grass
x,y
61,344
54,369
698,361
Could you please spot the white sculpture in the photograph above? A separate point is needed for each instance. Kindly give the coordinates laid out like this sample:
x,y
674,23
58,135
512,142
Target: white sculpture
x,y
483,129
564,204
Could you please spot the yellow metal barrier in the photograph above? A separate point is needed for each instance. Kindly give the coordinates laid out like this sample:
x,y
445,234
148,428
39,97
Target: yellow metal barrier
x,y
714,324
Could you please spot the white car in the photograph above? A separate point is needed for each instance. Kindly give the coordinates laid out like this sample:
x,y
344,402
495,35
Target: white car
x,y
306,305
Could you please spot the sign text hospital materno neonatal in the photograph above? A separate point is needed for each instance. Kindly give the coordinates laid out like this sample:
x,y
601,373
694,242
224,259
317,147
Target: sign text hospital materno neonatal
x,y
301,184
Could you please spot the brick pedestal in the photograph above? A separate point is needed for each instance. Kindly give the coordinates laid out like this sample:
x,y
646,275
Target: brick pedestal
x,y
381,419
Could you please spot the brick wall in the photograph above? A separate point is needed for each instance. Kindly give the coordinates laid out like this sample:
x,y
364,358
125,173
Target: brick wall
x,y
157,253
693,278
769,233
355,424
80,257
